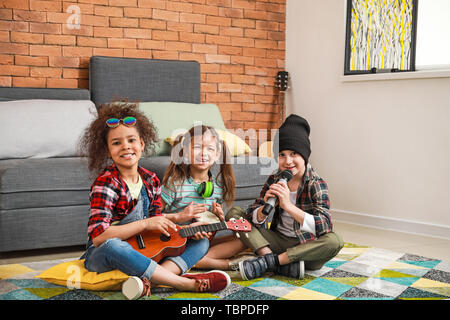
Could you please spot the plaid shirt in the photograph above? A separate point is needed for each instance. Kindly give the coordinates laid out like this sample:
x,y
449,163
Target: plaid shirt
x,y
312,197
111,200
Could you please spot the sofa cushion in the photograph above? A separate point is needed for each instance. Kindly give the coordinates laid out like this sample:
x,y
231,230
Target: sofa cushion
x,y
35,183
26,93
34,228
172,117
143,79
251,173
43,128
38,183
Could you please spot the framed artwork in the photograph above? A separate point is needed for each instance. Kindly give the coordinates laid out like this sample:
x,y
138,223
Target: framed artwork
x,y
380,36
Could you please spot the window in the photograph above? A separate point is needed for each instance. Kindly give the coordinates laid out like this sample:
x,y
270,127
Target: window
x,y
433,35
380,36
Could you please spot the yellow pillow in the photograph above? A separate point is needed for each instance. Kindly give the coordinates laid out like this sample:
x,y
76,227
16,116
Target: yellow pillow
x,y
74,275
236,145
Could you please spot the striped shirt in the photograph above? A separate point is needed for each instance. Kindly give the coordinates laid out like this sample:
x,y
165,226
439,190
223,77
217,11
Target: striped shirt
x,y
180,195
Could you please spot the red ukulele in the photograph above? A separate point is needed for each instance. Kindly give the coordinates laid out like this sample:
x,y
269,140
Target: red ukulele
x,y
156,245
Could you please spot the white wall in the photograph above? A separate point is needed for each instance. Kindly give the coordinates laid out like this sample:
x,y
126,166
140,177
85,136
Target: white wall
x,y
382,146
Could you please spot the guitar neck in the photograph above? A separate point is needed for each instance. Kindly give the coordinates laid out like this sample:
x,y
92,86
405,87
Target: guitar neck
x,y
189,232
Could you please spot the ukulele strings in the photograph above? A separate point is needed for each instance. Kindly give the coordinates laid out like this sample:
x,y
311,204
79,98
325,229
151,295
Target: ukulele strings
x,y
189,232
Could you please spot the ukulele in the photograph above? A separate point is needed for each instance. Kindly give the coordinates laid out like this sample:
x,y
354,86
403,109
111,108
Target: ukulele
x,y
156,245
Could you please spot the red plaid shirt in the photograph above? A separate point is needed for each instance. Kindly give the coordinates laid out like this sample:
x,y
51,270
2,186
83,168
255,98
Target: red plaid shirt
x,y
111,200
312,197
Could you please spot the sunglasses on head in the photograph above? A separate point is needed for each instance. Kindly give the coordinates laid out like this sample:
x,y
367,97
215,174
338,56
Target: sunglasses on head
x,y
114,122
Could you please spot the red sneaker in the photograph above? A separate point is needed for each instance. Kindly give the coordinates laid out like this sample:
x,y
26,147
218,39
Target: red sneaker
x,y
212,281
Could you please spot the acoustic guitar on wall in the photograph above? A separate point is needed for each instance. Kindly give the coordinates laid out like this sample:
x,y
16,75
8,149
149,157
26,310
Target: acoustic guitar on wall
x,y
155,245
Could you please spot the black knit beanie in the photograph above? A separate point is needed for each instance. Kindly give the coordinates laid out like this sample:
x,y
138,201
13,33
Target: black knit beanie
x,y
293,135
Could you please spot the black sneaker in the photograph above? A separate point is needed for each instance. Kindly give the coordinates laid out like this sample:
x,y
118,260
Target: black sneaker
x,y
255,268
272,262
292,270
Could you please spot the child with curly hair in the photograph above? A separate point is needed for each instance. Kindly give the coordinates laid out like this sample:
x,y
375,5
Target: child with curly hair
x,y
125,200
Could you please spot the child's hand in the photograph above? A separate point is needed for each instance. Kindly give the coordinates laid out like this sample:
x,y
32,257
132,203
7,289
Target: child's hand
x,y
200,235
282,192
192,211
269,194
218,211
159,223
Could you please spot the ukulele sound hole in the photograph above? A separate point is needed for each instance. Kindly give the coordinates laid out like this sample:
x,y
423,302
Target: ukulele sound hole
x,y
164,238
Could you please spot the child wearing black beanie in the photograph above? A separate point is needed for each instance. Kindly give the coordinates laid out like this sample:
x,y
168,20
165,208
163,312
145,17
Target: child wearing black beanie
x,y
293,134
300,235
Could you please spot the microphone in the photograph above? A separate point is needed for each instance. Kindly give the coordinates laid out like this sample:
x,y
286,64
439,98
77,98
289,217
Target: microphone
x,y
285,176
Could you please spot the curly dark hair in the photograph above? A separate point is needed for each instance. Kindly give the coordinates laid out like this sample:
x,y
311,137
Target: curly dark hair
x,y
93,142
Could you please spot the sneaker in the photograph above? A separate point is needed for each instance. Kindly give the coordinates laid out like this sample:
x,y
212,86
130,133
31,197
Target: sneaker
x,y
135,288
255,268
292,270
234,262
211,281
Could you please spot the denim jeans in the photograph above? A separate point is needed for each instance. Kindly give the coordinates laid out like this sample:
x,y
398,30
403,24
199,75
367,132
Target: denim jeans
x,y
195,250
118,254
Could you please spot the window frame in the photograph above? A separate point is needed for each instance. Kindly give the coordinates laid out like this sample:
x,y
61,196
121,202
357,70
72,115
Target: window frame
x,y
411,67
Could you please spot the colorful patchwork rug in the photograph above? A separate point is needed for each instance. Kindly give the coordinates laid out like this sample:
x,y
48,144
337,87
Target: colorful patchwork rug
x,y
356,273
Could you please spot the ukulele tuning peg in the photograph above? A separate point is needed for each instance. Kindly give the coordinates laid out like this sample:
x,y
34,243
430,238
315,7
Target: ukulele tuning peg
x,y
237,235
282,78
246,235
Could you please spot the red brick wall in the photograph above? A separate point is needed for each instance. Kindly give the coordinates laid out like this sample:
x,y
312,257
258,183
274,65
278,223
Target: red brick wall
x,y
240,45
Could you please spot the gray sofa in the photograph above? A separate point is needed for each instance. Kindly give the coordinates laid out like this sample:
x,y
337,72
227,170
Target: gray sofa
x,y
44,201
